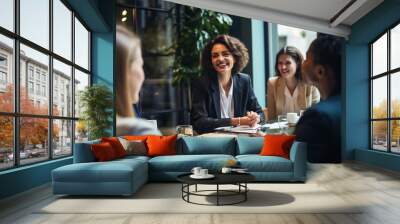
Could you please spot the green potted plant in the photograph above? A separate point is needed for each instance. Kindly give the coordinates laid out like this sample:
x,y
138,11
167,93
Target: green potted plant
x,y
96,102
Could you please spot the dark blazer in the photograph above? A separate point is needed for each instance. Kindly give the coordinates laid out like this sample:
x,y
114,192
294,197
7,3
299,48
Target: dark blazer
x,y
206,110
319,127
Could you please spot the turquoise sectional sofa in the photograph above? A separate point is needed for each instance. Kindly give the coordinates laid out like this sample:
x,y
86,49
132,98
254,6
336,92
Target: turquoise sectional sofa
x,y
125,176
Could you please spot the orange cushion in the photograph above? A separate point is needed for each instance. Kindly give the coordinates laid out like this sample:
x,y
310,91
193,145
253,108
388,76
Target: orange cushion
x,y
116,145
161,145
103,152
136,137
277,145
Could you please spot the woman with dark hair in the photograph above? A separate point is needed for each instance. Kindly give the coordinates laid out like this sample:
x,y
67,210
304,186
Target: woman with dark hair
x,y
287,92
223,96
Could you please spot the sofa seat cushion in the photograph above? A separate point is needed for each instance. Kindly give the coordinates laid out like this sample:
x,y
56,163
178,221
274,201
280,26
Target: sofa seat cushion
x,y
112,171
257,163
133,157
185,163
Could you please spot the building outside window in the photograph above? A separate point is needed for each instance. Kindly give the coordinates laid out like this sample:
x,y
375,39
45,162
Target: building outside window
x,y
384,91
30,72
55,129
37,75
44,77
30,87
3,78
43,90
3,72
38,89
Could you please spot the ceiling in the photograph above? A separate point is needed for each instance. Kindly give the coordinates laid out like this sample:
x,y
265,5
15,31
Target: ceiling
x,y
326,16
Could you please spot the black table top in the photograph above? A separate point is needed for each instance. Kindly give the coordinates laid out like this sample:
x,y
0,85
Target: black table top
x,y
220,178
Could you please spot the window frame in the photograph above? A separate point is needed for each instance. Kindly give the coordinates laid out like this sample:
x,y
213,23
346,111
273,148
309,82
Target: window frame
x,y
388,74
16,115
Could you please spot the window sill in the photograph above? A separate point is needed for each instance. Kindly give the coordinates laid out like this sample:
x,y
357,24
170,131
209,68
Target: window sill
x,y
27,167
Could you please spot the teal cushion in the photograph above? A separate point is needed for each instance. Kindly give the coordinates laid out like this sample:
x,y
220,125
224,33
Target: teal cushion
x,y
249,145
257,163
207,145
185,163
83,152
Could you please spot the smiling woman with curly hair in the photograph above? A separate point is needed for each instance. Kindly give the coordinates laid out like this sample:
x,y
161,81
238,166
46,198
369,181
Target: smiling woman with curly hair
x,y
223,96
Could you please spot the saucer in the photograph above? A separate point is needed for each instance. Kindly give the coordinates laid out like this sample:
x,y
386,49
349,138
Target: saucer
x,y
208,176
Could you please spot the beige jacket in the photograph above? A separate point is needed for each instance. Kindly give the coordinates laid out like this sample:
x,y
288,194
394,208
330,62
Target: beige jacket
x,y
308,96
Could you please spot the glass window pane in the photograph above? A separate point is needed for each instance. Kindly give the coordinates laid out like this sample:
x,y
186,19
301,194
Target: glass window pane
x,y
81,131
81,45
62,89
34,96
395,138
35,21
379,55
395,95
81,81
395,47
33,140
379,135
7,14
62,28
6,74
62,138
6,142
292,36
379,97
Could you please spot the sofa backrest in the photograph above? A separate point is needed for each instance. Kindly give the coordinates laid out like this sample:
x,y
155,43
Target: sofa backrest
x,y
206,145
83,152
249,145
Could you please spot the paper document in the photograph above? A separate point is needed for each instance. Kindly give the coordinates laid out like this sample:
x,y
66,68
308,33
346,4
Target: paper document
x,y
276,125
240,129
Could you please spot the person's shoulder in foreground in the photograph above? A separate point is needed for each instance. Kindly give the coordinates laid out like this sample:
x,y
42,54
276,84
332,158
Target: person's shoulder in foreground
x,y
319,127
136,126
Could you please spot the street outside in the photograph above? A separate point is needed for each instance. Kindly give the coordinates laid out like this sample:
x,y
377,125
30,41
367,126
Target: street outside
x,y
29,156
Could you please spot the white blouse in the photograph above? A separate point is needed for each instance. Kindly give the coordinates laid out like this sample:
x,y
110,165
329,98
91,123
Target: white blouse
x,y
226,102
291,104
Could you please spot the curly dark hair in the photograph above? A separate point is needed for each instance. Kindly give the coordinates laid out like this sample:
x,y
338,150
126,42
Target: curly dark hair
x,y
295,54
235,47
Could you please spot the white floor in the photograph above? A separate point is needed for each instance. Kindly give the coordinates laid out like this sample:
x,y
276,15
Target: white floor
x,y
378,189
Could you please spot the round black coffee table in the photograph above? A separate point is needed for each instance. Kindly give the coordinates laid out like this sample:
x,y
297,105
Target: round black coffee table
x,y
238,179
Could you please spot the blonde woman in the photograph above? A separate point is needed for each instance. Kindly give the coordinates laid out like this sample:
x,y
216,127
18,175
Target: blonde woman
x,y
287,92
130,77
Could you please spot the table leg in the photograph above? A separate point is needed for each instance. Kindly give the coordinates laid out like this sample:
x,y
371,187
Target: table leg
x,y
188,190
182,190
217,194
245,191
196,188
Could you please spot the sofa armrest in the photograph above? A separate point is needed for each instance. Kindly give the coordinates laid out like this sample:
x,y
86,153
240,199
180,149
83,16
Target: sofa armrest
x,y
298,155
83,152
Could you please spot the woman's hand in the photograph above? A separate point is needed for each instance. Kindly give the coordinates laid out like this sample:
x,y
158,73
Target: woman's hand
x,y
254,118
251,119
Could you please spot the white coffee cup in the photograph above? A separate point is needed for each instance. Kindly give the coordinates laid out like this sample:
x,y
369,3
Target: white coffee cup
x,y
226,170
203,172
153,122
292,118
197,171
